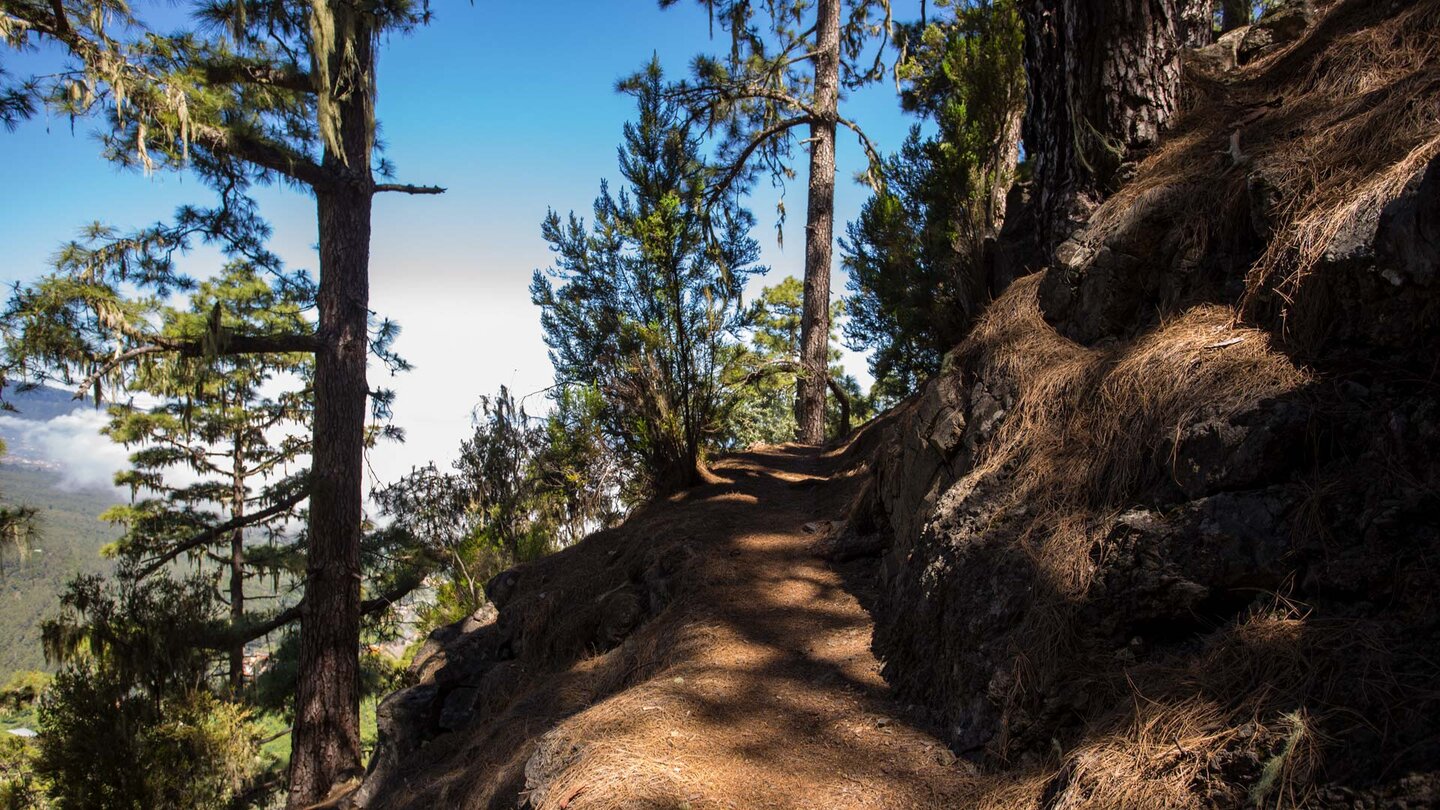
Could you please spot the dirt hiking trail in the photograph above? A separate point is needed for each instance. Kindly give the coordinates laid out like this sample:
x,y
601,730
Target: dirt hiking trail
x,y
755,688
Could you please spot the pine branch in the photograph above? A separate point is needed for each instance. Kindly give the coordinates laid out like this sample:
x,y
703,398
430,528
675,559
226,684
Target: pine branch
x,y
408,189
718,93
870,151
737,166
242,635
217,531
229,345
266,154
239,72
62,23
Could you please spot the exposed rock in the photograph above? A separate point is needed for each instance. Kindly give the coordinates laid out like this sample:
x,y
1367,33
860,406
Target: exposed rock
x,y
1215,455
1222,56
403,720
501,587
1408,232
1375,282
435,653
1281,24
621,611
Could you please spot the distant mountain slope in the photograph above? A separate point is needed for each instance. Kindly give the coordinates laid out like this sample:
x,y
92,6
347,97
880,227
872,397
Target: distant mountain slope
x,y
43,403
70,533
69,542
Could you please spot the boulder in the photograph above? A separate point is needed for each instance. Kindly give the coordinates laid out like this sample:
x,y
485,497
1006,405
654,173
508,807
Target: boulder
x,y
1280,25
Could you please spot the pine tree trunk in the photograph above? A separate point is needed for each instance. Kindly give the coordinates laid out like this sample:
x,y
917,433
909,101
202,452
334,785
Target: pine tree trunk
x,y
327,730
819,230
325,748
1104,79
237,563
1233,14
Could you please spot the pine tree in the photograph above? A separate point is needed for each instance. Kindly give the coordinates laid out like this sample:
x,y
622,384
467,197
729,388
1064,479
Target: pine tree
x,y
769,364
917,255
238,447
758,95
275,91
649,297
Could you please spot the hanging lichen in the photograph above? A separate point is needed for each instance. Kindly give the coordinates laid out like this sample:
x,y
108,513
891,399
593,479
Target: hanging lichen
x,y
338,33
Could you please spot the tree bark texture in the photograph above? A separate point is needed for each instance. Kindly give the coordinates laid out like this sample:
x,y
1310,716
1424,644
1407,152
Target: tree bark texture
x,y
1104,81
326,744
819,230
327,730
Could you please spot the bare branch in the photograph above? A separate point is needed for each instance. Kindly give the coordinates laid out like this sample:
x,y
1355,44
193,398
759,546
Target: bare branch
x,y
737,166
408,189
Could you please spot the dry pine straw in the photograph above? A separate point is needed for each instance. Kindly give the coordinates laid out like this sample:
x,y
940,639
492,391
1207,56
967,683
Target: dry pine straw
x,y
1336,124
1356,119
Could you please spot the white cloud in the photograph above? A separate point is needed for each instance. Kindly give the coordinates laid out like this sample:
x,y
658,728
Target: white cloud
x,y
72,443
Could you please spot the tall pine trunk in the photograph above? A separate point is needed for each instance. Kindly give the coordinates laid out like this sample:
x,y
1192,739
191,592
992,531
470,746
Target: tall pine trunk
x,y
1104,79
237,560
327,729
1233,14
819,230
325,748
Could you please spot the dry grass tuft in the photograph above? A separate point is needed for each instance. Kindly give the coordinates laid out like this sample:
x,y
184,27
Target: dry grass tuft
x,y
1090,427
1331,128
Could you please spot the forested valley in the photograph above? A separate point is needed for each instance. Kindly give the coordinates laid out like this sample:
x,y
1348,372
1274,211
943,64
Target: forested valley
x,y
1083,453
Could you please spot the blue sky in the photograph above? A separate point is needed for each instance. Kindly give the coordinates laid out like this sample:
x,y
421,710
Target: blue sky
x,y
510,106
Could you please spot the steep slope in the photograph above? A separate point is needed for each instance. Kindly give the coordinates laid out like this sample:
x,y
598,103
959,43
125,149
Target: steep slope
x,y
1165,532
1162,534
702,655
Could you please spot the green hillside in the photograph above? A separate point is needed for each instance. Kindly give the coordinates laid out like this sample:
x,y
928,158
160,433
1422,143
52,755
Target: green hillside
x,y
68,542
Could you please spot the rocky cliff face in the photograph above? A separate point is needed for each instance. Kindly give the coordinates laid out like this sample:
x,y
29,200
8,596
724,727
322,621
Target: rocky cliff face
x,y
1168,519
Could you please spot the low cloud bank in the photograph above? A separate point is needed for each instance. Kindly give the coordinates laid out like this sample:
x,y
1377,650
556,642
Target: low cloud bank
x,y
72,444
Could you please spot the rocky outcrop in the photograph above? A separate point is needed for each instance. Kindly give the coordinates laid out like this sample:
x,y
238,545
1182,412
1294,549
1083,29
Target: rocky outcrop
x,y
1168,494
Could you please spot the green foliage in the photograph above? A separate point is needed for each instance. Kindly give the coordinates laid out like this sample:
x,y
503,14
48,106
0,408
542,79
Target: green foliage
x,y
102,745
522,488
762,412
20,787
146,634
22,690
644,306
916,254
578,468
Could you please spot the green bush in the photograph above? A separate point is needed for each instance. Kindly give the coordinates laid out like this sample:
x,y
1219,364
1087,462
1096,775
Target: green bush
x,y
102,745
